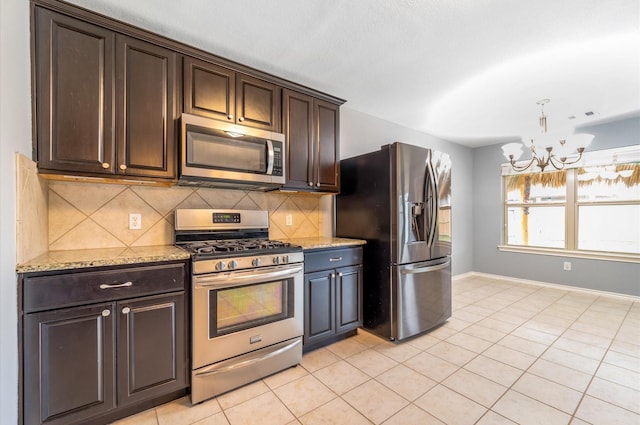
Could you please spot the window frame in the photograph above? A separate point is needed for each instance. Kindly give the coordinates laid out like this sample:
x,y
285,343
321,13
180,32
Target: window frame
x,y
571,204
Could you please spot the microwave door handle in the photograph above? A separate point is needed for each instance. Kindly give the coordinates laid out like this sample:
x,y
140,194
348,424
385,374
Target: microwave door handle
x,y
270,157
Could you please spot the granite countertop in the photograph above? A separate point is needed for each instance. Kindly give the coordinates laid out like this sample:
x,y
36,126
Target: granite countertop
x,y
324,242
81,258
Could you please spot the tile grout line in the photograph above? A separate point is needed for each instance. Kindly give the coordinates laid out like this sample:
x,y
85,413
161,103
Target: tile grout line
x,y
593,376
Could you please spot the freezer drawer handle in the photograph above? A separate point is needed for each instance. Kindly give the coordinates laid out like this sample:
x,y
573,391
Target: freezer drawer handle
x,y
335,259
426,269
216,370
115,285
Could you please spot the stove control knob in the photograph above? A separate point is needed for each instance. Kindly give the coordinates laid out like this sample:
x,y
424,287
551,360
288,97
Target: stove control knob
x,y
232,264
220,266
285,259
276,260
256,262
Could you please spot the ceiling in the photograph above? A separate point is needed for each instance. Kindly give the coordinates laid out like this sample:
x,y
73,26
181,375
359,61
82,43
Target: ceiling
x,y
468,71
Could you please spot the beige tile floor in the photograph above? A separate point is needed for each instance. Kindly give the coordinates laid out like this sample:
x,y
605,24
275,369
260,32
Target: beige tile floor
x,y
511,353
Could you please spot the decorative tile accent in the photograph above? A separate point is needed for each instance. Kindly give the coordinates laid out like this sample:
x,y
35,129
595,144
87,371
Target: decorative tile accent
x,y
163,199
62,216
114,216
109,205
86,197
86,235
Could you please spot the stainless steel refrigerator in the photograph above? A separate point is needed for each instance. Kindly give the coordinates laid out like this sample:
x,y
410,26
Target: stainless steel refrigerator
x,y
399,200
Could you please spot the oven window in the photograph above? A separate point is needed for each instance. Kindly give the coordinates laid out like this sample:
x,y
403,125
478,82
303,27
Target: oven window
x,y
245,307
213,151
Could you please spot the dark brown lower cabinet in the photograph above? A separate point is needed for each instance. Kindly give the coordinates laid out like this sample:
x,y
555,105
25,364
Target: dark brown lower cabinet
x,y
151,348
92,363
69,364
332,295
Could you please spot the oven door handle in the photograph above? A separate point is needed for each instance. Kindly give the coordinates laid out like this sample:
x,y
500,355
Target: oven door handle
x,y
232,279
216,369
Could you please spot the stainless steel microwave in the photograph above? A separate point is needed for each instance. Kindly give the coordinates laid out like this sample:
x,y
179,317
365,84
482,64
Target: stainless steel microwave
x,y
220,154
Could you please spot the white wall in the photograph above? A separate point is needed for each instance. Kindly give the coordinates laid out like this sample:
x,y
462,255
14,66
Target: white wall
x,y
361,133
15,136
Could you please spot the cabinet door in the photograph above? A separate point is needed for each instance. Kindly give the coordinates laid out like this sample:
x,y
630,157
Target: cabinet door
x,y
74,67
298,128
209,90
257,103
68,364
151,347
319,301
146,116
326,157
348,298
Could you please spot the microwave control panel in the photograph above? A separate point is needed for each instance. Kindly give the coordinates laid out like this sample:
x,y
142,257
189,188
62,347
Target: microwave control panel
x,y
277,159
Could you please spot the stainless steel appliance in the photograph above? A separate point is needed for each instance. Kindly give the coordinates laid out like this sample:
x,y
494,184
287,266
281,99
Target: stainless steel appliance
x,y
219,154
247,294
399,200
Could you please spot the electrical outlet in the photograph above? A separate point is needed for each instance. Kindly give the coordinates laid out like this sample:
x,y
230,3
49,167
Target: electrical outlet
x,y
567,266
135,221
288,220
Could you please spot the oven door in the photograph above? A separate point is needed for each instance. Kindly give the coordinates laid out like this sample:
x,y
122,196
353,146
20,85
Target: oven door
x,y
238,312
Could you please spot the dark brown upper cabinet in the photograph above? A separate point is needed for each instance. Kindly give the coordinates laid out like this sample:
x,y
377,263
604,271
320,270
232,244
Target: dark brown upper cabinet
x,y
105,102
311,127
146,115
220,93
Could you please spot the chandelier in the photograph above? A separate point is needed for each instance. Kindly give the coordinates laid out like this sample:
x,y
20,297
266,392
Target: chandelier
x,y
547,148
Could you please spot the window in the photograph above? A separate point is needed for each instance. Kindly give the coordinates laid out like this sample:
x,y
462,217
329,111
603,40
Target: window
x,y
590,210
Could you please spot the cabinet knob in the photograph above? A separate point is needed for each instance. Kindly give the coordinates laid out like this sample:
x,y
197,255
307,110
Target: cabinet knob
x,y
123,167
241,119
106,165
340,274
311,184
333,275
230,116
106,312
318,184
126,310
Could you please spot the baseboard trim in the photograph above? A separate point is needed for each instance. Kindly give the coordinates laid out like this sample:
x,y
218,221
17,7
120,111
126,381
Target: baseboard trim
x,y
548,285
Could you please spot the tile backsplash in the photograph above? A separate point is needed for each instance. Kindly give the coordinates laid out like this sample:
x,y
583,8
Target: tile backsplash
x,y
92,215
60,215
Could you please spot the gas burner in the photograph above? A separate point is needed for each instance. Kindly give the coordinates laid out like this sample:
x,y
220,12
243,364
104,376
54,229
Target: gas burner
x,y
222,246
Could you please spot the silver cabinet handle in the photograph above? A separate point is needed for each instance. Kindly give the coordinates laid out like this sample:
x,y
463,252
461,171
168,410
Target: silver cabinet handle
x,y
340,274
115,285
310,183
106,312
241,119
335,259
230,116
333,275
317,184
106,165
123,167
126,310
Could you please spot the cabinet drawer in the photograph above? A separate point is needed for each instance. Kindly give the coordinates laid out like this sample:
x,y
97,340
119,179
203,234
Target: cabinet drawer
x,y
331,258
63,290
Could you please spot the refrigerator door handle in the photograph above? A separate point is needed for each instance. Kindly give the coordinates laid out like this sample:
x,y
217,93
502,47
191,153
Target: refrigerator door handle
x,y
426,269
432,203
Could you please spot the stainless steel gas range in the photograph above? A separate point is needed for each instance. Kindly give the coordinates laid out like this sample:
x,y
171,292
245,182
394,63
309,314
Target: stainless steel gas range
x,y
247,295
